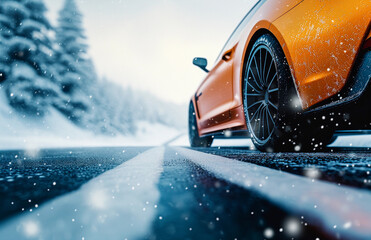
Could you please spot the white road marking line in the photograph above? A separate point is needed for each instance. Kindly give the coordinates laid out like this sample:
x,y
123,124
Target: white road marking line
x,y
119,204
336,210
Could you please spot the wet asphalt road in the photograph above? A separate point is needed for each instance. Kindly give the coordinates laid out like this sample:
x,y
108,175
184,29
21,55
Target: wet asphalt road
x,y
30,178
194,204
343,166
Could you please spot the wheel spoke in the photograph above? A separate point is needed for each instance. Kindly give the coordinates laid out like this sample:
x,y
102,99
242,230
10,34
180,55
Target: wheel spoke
x,y
273,90
261,113
256,112
261,121
271,117
253,75
261,83
269,69
256,90
270,83
270,103
253,94
258,121
261,101
265,62
260,66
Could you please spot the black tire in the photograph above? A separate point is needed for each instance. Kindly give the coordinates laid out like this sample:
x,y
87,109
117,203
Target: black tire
x,y
271,104
194,138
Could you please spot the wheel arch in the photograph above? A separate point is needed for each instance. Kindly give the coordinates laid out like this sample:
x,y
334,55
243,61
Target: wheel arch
x,y
258,33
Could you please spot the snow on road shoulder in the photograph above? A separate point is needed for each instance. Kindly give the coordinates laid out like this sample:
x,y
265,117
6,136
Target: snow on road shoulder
x,y
119,204
337,210
55,131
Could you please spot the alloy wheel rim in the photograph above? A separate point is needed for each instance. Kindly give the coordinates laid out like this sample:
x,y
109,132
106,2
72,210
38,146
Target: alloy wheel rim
x,y
261,94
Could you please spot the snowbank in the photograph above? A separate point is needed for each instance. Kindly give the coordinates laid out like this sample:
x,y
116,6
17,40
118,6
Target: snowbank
x,y
55,131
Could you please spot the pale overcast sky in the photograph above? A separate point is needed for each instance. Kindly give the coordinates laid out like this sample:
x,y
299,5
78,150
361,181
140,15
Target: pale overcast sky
x,y
150,44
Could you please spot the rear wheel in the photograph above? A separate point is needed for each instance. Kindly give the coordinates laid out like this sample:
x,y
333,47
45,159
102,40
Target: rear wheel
x,y
271,104
194,138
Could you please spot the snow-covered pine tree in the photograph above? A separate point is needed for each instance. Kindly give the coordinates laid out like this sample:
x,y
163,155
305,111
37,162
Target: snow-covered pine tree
x,y
75,67
26,55
118,107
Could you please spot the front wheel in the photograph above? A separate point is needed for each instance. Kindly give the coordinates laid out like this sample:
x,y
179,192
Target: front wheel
x,y
194,138
271,104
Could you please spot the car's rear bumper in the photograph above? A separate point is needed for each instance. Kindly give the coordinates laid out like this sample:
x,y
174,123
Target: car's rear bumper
x,y
351,108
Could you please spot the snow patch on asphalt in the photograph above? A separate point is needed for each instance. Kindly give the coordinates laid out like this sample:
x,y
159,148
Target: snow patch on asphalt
x,y
119,204
337,210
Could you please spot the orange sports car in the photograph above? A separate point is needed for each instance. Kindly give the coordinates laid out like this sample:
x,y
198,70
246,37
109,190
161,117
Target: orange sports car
x,y
293,75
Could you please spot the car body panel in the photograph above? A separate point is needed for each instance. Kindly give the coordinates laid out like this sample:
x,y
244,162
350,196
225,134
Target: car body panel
x,y
218,92
322,39
222,108
215,95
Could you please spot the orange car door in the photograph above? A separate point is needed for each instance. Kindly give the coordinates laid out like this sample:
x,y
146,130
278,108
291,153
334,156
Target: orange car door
x,y
215,94
323,38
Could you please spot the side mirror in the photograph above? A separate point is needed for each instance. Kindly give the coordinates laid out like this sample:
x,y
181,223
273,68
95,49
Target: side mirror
x,y
201,63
